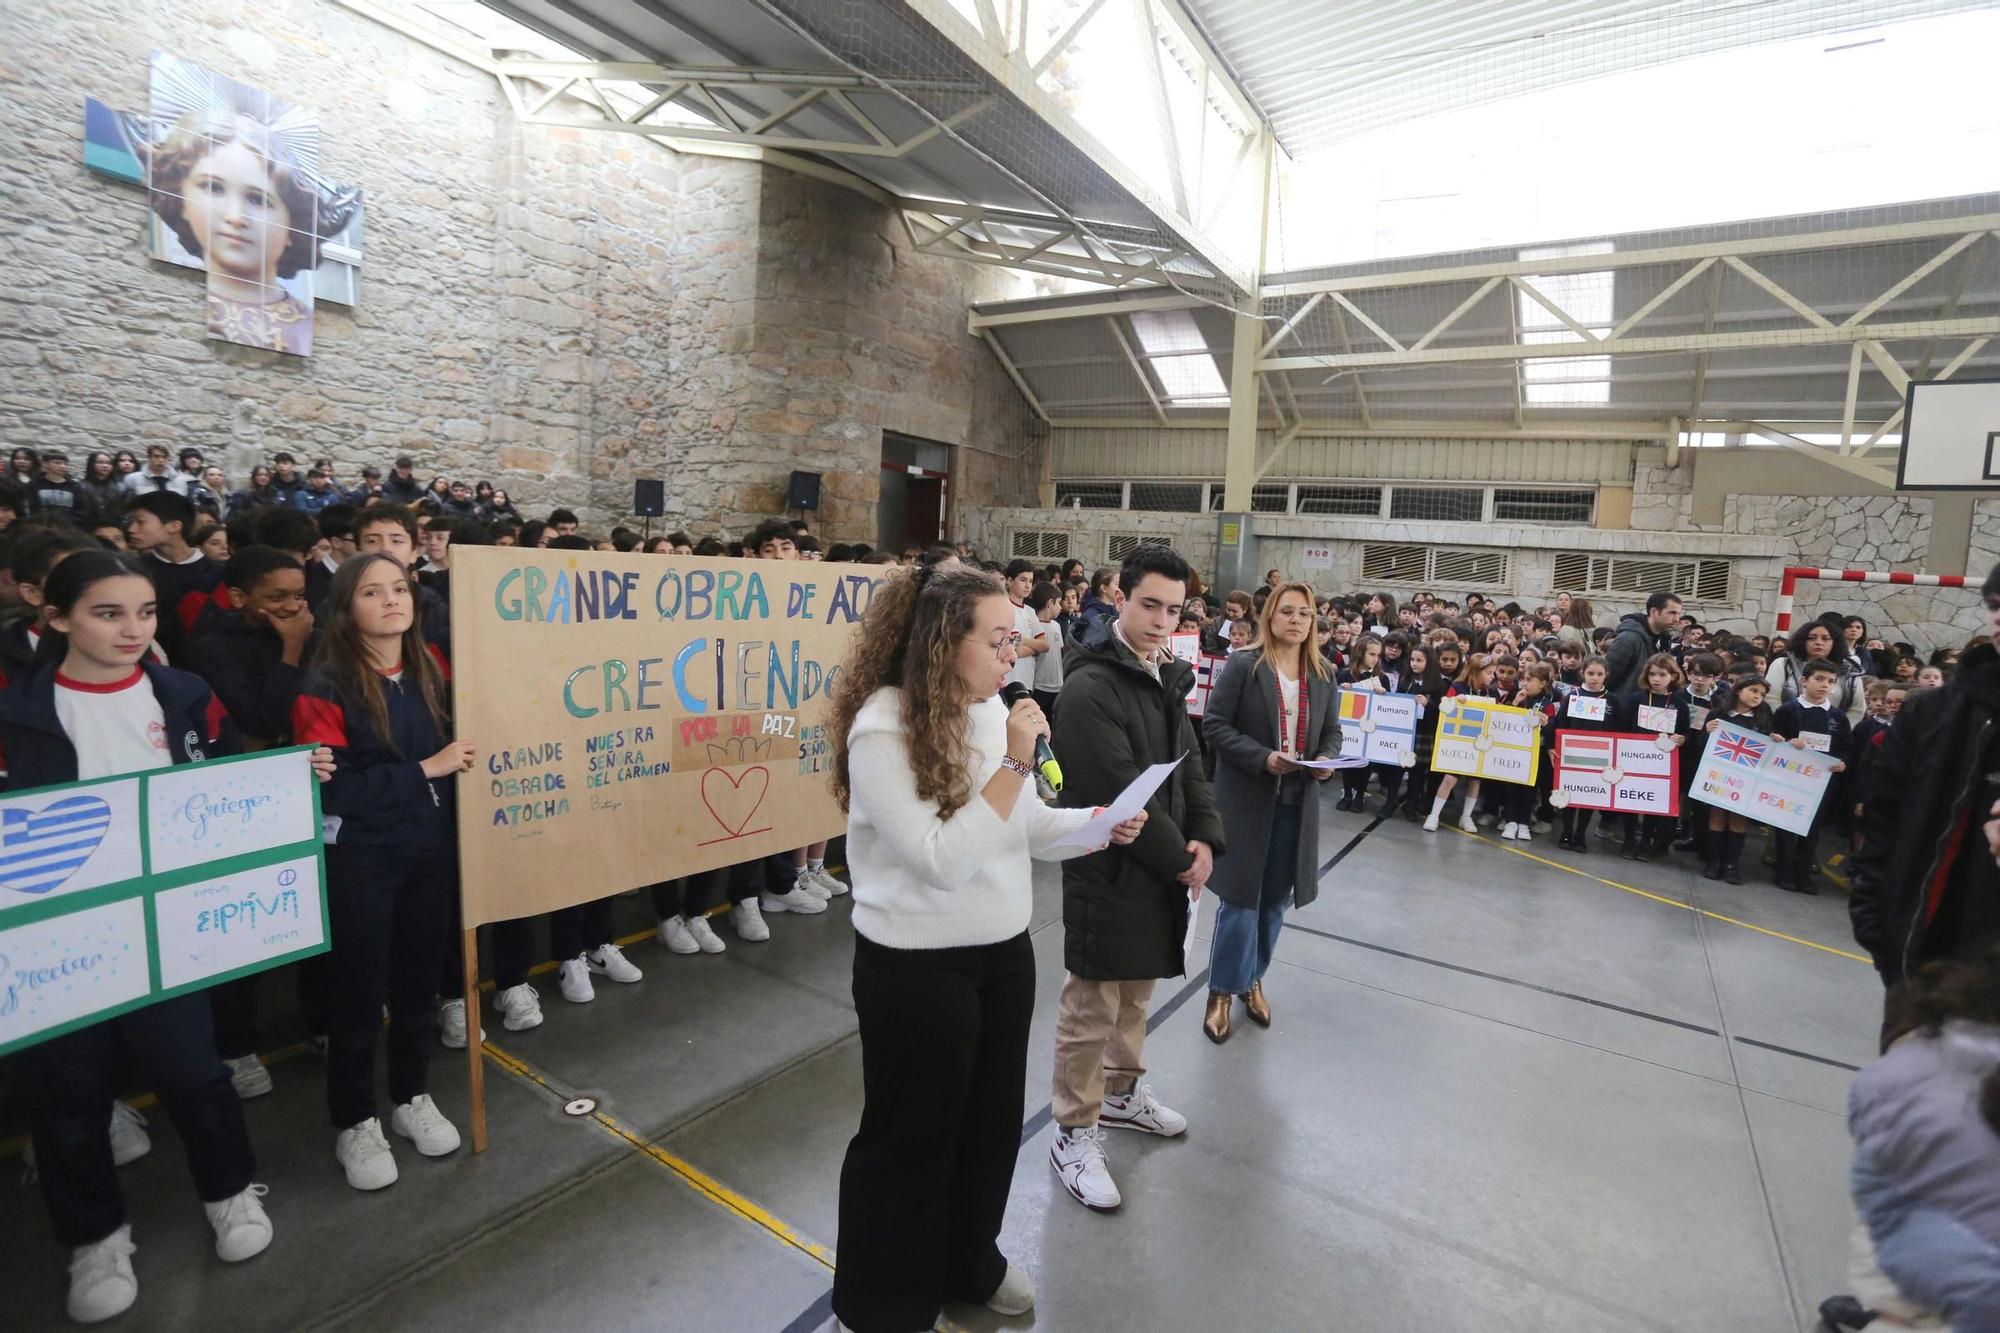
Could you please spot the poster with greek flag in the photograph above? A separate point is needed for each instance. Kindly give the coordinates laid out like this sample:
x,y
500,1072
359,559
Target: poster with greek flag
x,y
121,891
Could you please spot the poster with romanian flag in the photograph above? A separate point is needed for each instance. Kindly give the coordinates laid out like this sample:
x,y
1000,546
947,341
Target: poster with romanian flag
x,y
1477,738
1625,772
1377,728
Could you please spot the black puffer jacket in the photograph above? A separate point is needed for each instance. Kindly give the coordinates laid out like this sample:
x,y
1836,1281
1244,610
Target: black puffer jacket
x,y
1625,656
1125,914
1919,818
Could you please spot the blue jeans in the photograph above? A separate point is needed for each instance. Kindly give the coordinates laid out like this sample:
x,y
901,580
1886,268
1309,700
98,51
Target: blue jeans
x,y
1245,938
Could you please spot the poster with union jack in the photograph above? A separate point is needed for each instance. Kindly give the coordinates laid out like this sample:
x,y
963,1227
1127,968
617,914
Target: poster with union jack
x,y
1626,772
1762,778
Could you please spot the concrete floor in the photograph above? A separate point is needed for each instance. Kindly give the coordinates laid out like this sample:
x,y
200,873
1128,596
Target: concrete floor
x,y
1498,1096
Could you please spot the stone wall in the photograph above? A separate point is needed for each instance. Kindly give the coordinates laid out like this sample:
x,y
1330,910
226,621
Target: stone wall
x,y
558,311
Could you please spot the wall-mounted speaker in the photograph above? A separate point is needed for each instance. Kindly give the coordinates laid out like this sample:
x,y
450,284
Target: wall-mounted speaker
x,y
649,498
803,493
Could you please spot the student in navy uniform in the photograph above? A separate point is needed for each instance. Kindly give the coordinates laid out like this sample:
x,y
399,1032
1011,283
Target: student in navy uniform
x,y
1591,676
376,694
1741,705
1536,693
1704,694
1660,687
1363,673
1815,713
160,524
1427,683
36,552
90,707
54,493
391,530
1869,738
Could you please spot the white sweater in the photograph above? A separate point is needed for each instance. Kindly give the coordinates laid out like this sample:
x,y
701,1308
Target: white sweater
x,y
922,882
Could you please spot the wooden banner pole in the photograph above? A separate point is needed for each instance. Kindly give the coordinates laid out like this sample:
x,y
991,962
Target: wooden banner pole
x,y
475,1046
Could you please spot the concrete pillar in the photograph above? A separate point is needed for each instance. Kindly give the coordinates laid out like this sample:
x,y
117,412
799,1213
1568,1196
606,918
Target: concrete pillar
x,y
1239,468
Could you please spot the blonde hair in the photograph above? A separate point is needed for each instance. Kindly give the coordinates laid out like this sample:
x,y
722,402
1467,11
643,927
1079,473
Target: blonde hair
x,y
1315,661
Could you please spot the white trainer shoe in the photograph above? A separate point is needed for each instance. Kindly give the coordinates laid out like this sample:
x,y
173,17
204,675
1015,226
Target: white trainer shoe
x,y
1431,823
794,899
574,976
805,882
749,922
1078,1158
451,1025
248,1076
704,934
827,880
129,1140
1140,1109
1465,822
420,1121
1014,1296
242,1227
609,961
101,1284
675,935
364,1155
520,1007
1510,831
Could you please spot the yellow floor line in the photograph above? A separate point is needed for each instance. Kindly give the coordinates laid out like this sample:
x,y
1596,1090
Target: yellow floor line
x,y
690,1175
1671,902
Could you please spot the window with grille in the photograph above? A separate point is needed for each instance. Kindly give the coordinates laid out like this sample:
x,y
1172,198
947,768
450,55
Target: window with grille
x,y
1360,501
1465,504
1545,506
1038,544
1265,498
1167,497
1696,580
1121,544
1090,495
1396,562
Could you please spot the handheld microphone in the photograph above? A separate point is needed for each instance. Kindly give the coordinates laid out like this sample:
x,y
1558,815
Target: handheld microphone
x,y
1045,758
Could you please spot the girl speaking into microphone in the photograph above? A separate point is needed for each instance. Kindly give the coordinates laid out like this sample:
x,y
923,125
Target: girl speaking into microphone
x,y
935,774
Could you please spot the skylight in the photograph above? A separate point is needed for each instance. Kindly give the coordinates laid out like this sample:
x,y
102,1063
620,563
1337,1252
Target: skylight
x,y
1173,345
498,35
1565,381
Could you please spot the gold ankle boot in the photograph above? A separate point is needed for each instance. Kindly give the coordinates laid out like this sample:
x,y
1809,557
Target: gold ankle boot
x,y
1216,1024
1259,1007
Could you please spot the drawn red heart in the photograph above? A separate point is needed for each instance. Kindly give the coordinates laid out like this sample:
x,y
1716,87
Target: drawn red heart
x,y
736,797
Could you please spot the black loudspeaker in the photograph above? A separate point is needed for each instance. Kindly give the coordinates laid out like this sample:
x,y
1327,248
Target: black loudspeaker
x,y
803,493
649,498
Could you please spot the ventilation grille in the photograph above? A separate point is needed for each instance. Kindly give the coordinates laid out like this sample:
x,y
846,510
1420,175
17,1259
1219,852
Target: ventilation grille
x,y
1448,567
1692,580
1121,544
1038,544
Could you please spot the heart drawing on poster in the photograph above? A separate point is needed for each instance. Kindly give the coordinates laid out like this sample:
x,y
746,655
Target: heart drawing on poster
x,y
734,799
41,849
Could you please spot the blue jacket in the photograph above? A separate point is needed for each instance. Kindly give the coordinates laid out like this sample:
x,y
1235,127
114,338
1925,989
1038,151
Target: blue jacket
x,y
378,789
39,753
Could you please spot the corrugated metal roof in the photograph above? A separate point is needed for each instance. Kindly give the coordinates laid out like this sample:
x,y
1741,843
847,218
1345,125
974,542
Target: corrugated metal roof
x,y
1326,70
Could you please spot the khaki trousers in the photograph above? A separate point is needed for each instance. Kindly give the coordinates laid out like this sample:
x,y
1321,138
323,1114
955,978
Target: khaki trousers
x,y
1100,1039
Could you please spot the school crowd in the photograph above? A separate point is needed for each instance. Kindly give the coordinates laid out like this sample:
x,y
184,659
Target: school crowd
x,y
294,612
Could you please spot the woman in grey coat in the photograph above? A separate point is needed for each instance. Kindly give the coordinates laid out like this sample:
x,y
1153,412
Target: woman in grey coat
x,y
1271,707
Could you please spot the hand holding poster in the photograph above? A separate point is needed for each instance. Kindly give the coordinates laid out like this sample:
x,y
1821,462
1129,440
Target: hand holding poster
x,y
1377,728
1618,771
226,852
1761,778
1480,739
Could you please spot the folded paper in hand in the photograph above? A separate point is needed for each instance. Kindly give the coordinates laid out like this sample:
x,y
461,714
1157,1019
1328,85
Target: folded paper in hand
x,y
1096,831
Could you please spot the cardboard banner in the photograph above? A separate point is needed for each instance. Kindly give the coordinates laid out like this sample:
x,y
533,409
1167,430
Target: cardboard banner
x,y
1762,778
1619,771
1378,728
640,717
1187,647
121,891
1477,738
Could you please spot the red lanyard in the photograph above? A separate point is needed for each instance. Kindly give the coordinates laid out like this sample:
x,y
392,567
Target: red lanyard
x,y
1305,707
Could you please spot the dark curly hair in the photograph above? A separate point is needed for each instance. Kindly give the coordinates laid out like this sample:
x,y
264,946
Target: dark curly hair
x,y
1943,990
197,134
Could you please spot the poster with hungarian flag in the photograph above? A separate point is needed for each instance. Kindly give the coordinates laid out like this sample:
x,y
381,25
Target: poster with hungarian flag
x,y
1377,728
1626,772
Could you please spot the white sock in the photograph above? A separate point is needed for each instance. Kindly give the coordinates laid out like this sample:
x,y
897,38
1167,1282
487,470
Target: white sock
x,y
816,866
1437,804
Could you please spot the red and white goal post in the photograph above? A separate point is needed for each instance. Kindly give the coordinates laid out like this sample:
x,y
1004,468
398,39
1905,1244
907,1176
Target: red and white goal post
x,y
1794,573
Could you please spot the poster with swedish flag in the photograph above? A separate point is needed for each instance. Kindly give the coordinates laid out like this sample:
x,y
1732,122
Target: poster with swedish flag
x,y
1477,738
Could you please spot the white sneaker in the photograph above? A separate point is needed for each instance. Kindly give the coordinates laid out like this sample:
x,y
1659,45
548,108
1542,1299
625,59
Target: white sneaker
x,y
1014,1296
248,1076
608,960
1141,1110
1465,822
364,1155
451,1025
520,1007
101,1284
1078,1158
674,933
1431,822
804,882
749,922
420,1121
129,1140
825,878
1509,831
574,976
242,1228
794,899
704,934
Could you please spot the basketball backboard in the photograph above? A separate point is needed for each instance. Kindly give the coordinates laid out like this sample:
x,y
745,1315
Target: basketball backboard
x,y
1951,436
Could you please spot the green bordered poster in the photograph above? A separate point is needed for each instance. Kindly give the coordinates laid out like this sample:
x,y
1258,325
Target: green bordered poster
x,y
122,891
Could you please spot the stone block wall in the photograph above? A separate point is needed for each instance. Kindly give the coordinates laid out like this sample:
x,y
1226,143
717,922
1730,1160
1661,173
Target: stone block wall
x,y
558,311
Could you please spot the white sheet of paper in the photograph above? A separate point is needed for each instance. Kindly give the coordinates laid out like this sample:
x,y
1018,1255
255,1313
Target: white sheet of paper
x,y
1590,710
1096,831
1656,719
1320,765
1187,940
201,813
1697,717
1817,740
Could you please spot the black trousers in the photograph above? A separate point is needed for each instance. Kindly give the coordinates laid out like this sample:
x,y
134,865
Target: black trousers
x,y
579,929
1796,853
691,896
944,1057
66,1083
390,912
509,950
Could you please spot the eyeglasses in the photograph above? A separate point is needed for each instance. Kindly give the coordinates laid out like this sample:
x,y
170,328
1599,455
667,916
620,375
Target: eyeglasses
x,y
1004,647
1294,612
